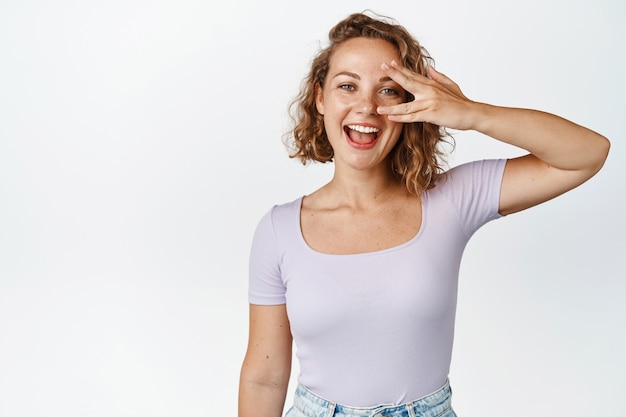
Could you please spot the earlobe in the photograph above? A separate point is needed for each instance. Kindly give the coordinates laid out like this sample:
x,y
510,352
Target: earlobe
x,y
319,99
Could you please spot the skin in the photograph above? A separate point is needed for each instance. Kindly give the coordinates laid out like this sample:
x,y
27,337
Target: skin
x,y
267,365
353,90
364,208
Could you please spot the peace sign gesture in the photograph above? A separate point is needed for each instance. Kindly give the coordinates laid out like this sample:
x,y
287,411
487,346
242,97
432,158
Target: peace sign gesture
x,y
438,99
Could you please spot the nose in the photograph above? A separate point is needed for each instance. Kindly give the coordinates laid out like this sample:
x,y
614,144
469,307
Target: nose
x,y
367,104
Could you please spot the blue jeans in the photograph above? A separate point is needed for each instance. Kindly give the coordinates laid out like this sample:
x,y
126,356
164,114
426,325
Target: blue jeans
x,y
437,404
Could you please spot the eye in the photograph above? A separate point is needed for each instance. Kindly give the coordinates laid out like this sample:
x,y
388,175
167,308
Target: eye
x,y
390,92
346,87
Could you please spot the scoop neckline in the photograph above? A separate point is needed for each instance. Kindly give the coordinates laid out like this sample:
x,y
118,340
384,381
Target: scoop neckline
x,y
415,238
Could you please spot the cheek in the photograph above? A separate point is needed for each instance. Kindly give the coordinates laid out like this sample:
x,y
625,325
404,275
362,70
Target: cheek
x,y
333,126
337,102
335,110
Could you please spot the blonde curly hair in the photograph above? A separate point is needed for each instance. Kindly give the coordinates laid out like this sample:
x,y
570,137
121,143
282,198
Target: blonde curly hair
x,y
417,158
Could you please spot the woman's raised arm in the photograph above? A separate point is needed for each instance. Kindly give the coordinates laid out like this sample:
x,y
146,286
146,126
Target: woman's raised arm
x,y
562,155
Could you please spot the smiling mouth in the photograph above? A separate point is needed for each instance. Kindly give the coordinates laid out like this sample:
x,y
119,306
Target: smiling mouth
x,y
362,135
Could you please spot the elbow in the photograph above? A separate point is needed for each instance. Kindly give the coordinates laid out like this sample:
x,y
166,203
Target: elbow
x,y
591,154
266,376
601,152
591,159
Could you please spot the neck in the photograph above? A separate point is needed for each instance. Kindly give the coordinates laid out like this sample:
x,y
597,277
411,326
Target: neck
x,y
359,188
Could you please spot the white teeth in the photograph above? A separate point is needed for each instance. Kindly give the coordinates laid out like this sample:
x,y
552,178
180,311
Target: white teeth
x,y
363,129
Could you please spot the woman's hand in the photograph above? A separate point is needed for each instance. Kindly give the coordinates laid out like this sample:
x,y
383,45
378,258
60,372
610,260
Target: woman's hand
x,y
438,99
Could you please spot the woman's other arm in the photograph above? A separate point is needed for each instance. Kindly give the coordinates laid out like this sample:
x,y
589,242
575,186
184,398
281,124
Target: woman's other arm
x,y
267,365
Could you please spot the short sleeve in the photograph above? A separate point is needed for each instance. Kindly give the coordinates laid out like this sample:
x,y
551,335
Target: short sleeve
x,y
475,189
265,285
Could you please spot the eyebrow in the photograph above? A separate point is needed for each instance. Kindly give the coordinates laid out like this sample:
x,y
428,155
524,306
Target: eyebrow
x,y
356,76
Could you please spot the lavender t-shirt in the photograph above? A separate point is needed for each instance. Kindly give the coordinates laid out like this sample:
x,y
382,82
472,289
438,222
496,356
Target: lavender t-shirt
x,y
375,328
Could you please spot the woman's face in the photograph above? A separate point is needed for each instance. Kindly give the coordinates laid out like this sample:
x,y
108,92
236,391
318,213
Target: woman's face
x,y
354,87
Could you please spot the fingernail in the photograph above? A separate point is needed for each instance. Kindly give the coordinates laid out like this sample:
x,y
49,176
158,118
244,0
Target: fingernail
x,y
384,66
394,63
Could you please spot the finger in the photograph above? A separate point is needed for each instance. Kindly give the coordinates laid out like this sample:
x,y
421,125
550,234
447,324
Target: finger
x,y
414,117
403,111
397,109
408,79
440,77
436,75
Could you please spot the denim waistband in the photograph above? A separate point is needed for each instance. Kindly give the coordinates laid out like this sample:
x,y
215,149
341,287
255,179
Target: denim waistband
x,y
309,404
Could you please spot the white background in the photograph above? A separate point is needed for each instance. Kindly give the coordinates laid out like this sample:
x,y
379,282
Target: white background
x,y
140,143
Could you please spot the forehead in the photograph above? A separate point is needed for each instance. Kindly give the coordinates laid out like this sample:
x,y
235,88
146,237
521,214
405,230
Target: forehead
x,y
362,52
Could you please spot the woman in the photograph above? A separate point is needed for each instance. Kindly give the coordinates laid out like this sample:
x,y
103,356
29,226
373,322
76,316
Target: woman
x,y
362,273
